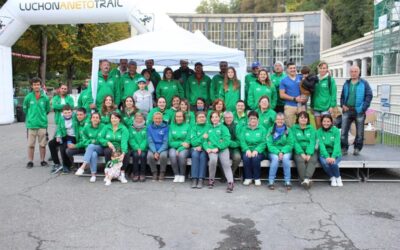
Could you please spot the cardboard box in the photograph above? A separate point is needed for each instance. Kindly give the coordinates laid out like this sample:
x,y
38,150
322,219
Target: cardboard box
x,y
370,137
370,116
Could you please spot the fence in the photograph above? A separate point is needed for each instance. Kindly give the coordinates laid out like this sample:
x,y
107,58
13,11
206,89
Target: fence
x,y
388,128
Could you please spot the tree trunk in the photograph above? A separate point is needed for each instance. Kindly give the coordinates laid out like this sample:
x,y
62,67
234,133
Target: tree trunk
x,y
43,54
70,76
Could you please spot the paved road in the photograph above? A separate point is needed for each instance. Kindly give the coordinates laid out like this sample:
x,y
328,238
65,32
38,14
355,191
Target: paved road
x,y
42,211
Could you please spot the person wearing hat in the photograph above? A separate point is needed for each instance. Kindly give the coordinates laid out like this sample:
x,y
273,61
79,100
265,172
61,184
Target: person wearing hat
x,y
143,97
198,85
183,73
251,77
129,81
276,79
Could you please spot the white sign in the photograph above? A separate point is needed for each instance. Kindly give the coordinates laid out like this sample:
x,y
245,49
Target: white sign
x,y
4,22
385,97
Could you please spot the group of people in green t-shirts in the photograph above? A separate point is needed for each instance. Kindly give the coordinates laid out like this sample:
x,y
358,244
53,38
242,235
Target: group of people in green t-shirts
x,y
193,116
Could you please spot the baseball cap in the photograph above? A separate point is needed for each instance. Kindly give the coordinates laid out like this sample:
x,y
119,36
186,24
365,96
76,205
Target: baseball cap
x,y
255,65
141,79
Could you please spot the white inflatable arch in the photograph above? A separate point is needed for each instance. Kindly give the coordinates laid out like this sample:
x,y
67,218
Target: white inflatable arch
x,y
17,15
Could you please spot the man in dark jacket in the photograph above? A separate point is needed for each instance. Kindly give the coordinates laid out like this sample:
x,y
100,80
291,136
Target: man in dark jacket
x,y
355,100
183,73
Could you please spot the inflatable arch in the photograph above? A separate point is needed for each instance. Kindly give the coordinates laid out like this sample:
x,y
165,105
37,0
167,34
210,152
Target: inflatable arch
x,y
17,15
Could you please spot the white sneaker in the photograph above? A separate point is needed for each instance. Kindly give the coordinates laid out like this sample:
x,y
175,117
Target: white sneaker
x,y
181,178
333,182
105,179
122,179
257,182
339,181
108,182
79,172
305,183
176,178
92,179
247,182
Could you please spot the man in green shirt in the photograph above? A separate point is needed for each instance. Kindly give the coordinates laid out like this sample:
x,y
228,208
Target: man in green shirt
x,y
36,106
217,81
198,85
128,81
276,78
59,101
107,85
85,97
251,77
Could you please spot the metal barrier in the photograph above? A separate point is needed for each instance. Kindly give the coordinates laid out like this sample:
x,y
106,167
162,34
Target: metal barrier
x,y
388,128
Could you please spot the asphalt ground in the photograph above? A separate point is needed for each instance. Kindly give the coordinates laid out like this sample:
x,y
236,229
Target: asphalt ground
x,y
43,211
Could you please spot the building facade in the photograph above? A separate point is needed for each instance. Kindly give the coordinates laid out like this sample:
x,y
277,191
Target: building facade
x,y
288,37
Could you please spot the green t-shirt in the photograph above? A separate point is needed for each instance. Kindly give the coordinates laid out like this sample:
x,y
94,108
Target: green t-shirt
x,y
351,102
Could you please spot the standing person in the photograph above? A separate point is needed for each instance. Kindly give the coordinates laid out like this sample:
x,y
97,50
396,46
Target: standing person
x,y
305,155
323,99
280,145
217,82
168,87
107,85
107,108
289,90
252,142
355,99
154,76
139,146
143,98
161,108
199,155
91,142
149,84
36,106
329,148
121,69
250,78
59,101
239,115
217,140
128,111
157,137
114,137
85,97
276,79
183,73
234,146
189,115
179,146
129,81
198,85
230,90
266,114
262,86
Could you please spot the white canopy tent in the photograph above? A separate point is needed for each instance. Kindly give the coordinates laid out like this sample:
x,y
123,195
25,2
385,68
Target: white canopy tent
x,y
167,48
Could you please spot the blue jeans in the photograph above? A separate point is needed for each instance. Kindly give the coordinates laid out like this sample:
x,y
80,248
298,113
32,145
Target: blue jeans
x,y
252,166
332,170
347,118
92,151
273,167
199,164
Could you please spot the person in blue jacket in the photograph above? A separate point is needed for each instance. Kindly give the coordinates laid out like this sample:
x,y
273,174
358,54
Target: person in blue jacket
x,y
157,136
355,100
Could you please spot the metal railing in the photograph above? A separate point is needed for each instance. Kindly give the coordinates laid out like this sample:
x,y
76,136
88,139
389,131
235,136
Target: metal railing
x,y
388,128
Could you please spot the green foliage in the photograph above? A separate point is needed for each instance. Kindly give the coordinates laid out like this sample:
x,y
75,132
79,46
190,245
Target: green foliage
x,y
69,48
